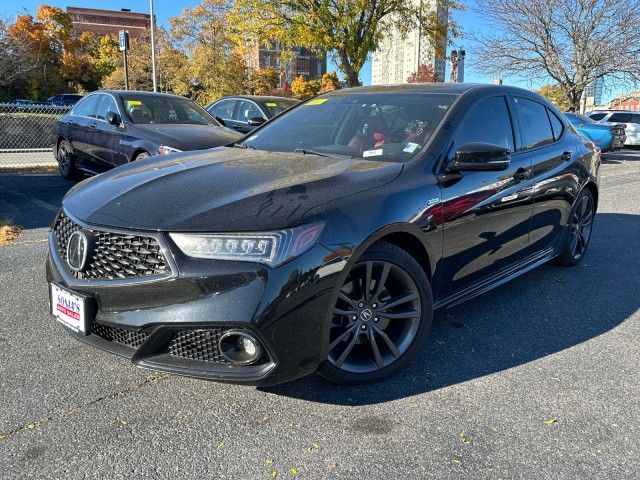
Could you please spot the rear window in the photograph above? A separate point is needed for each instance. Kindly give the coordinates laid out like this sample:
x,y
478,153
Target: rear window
x,y
535,127
620,118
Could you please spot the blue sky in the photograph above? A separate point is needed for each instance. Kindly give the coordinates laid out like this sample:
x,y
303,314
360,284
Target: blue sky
x,y
165,9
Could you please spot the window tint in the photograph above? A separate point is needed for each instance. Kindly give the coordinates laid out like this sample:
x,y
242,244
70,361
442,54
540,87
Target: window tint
x,y
635,118
487,122
247,110
556,125
107,104
534,123
597,116
223,109
620,117
87,106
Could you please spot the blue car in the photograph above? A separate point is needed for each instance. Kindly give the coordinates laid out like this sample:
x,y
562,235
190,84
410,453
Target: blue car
x,y
607,137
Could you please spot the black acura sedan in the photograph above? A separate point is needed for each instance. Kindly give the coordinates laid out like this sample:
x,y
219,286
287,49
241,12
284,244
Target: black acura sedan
x,y
112,127
325,239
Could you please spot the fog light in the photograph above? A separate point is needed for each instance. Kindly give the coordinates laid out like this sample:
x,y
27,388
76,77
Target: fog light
x,y
240,348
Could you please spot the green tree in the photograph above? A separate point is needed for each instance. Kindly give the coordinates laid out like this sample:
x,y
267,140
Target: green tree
x,y
349,29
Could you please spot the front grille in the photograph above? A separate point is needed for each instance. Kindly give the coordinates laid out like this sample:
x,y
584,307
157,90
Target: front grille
x,y
123,336
198,345
116,255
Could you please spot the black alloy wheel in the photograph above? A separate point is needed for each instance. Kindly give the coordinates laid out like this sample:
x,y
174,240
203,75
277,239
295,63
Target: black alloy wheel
x,y
578,231
381,318
66,161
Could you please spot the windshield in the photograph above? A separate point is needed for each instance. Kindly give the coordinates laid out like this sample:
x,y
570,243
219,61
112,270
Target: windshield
x,y
165,110
377,126
577,118
277,106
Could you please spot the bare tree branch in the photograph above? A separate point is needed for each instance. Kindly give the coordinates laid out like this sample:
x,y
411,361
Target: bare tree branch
x,y
573,42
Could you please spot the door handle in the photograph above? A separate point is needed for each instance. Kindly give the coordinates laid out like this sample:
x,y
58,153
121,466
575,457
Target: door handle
x,y
522,173
93,125
566,156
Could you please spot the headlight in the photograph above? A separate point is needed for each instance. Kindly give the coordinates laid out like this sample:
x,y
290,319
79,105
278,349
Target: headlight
x,y
270,248
163,150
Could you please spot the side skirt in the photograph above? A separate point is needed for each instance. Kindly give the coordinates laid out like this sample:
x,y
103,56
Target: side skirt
x,y
495,281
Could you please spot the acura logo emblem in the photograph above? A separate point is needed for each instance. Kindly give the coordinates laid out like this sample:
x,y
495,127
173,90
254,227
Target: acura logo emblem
x,y
77,250
366,314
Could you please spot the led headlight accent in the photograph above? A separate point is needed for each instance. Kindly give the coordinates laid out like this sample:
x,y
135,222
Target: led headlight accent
x,y
270,248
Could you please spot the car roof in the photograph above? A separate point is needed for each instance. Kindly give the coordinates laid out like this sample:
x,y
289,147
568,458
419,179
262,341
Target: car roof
x,y
258,98
437,87
141,93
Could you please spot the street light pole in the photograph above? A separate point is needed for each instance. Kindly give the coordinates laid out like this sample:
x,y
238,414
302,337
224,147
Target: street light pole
x,y
153,47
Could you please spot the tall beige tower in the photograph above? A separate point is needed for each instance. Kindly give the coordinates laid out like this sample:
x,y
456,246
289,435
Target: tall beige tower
x,y
399,57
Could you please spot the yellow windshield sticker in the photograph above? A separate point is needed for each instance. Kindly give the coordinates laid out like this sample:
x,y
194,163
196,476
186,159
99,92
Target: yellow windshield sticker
x,y
134,102
316,101
271,104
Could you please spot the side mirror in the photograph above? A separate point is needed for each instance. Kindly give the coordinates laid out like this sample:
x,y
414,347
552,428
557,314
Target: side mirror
x,y
113,118
221,122
255,121
480,156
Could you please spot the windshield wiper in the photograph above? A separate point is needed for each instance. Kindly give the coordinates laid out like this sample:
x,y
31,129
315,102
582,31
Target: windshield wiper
x,y
305,151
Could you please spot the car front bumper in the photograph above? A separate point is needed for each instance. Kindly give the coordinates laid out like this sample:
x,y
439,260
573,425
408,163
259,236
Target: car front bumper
x,y
173,324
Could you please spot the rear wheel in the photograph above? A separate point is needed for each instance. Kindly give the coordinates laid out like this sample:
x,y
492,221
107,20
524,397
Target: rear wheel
x,y
578,231
381,318
67,161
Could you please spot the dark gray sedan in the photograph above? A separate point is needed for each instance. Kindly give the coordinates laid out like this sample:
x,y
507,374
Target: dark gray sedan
x,y
110,128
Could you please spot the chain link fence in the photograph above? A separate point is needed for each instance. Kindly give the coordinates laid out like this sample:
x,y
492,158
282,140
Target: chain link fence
x,y
26,134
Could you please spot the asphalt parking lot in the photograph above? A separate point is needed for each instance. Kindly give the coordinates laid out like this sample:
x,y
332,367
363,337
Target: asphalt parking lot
x,y
537,379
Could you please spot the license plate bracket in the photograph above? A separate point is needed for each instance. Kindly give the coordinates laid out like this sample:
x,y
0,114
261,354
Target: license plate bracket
x,y
70,308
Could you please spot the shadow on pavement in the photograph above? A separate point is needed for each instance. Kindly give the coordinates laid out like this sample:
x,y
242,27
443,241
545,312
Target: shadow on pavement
x,y
628,154
543,312
31,201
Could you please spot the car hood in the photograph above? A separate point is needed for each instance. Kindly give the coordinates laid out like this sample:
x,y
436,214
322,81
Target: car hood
x,y
188,137
224,189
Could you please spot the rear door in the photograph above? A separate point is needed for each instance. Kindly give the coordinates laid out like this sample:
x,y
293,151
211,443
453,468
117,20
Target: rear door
x,y
546,141
79,130
223,110
486,214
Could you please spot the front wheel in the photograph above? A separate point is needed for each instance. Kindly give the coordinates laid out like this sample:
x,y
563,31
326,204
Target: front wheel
x,y
381,318
578,233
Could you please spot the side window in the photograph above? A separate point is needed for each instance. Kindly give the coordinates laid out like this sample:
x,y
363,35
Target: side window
x,y
635,118
620,118
534,123
223,109
487,122
597,116
556,124
87,106
107,104
247,110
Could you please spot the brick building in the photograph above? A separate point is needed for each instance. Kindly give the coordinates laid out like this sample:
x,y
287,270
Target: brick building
x,y
108,22
627,101
302,62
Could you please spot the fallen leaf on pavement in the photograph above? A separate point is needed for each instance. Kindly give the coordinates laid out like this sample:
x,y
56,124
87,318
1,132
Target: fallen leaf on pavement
x,y
464,438
549,421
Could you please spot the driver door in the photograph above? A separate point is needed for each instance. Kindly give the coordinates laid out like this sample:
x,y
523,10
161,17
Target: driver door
x,y
486,214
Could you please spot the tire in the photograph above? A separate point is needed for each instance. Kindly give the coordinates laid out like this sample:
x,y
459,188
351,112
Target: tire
x,y
362,329
67,161
578,231
140,156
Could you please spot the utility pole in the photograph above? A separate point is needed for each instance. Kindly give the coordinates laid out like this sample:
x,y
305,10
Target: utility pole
x,y
123,43
153,47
